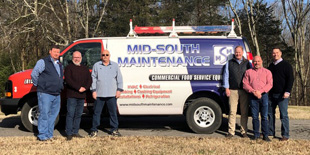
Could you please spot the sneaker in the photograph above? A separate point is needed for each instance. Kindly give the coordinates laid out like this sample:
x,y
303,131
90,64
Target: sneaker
x,y
93,134
255,138
229,136
284,139
115,133
69,137
77,135
244,135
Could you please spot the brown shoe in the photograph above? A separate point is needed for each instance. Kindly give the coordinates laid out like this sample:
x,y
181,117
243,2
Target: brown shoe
x,y
244,135
229,136
69,137
77,135
266,139
284,139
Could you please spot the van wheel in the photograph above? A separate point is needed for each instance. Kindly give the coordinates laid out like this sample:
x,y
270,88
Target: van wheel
x,y
204,115
30,114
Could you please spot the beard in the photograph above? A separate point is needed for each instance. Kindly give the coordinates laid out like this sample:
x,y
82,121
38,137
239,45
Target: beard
x,y
77,63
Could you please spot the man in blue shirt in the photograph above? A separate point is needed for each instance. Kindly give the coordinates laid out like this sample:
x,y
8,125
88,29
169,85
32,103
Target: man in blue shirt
x,y
232,82
47,76
106,88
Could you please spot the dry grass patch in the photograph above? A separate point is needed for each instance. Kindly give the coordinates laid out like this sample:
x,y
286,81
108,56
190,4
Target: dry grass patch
x,y
296,112
150,145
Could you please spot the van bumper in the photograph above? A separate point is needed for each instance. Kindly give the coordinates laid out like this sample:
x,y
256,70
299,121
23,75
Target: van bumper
x,y
9,105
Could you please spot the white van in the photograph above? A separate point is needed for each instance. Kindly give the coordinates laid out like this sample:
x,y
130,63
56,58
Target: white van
x,y
162,75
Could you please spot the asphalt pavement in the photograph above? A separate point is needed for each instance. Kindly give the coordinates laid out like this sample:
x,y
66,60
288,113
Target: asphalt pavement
x,y
150,126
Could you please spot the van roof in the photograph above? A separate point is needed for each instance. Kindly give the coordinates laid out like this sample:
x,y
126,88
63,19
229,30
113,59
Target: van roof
x,y
160,37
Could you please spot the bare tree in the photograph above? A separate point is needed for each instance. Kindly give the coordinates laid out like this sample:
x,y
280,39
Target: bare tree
x,y
296,12
101,16
23,19
28,27
6,41
85,10
58,32
252,18
84,20
233,6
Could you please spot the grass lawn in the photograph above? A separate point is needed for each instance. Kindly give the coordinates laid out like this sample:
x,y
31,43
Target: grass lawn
x,y
151,145
157,144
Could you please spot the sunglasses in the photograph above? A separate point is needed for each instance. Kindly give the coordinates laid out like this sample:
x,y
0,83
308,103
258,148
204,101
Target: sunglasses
x,y
105,55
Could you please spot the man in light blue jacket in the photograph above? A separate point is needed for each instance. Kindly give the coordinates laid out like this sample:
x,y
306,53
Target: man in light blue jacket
x,y
106,87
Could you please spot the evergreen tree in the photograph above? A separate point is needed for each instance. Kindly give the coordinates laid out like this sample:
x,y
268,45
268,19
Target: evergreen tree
x,y
160,13
5,71
191,12
206,12
118,13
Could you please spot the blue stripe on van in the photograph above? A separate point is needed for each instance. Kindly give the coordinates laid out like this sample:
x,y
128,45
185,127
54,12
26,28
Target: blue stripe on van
x,y
206,48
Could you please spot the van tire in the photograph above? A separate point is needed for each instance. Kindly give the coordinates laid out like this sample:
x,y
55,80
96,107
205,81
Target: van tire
x,y
29,115
204,116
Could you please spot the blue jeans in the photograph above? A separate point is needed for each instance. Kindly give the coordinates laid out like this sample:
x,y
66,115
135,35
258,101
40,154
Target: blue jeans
x,y
278,100
75,108
49,106
112,108
259,105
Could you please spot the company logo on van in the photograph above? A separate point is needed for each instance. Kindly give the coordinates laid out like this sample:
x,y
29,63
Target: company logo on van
x,y
222,54
141,56
161,49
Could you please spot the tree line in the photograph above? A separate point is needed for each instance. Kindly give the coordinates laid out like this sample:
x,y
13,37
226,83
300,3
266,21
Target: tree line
x,y
29,27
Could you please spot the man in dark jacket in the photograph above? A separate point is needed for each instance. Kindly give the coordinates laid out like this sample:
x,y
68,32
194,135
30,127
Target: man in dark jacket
x,y
282,73
47,76
78,80
232,82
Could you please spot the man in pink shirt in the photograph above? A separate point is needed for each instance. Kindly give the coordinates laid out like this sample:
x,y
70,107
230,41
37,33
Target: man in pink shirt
x,y
258,81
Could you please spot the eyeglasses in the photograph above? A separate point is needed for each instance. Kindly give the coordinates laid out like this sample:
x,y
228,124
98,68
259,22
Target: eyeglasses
x,y
105,55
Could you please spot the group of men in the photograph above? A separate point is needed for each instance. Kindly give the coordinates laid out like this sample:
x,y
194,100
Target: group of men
x,y
255,86
105,82
260,89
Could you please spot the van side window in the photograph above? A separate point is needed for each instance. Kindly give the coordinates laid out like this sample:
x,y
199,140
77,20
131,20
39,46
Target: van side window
x,y
90,54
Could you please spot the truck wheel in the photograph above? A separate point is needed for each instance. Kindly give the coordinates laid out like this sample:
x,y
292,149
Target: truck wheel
x,y
204,115
30,115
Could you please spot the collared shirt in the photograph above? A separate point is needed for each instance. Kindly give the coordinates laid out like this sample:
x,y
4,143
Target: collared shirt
x,y
257,79
106,79
40,67
278,61
226,73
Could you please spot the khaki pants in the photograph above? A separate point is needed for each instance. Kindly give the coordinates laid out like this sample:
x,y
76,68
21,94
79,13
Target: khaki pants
x,y
235,96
